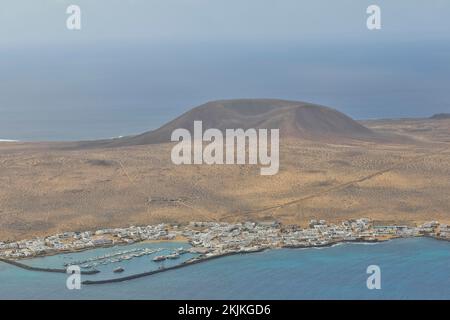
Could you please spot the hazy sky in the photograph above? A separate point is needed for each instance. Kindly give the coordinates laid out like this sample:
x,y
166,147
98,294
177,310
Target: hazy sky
x,y
138,63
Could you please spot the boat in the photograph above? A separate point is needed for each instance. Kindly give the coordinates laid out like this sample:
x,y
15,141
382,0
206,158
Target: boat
x,y
119,270
159,258
173,256
181,250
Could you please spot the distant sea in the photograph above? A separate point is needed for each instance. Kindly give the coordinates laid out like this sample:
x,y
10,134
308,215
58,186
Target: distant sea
x,y
68,125
417,268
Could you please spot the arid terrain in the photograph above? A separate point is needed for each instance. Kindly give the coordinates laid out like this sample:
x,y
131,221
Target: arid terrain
x,y
51,187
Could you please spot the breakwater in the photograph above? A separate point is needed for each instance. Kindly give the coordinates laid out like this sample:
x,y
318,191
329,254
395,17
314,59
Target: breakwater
x,y
178,266
332,243
54,270
205,259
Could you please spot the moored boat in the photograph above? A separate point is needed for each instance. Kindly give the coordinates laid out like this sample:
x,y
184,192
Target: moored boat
x,y
159,258
119,270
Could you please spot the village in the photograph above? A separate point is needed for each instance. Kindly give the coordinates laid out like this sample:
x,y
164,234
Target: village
x,y
208,239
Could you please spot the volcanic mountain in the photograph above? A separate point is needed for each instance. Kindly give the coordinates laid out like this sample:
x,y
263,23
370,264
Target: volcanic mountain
x,y
294,120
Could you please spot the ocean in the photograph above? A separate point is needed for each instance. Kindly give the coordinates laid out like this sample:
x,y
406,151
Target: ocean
x,y
116,89
415,268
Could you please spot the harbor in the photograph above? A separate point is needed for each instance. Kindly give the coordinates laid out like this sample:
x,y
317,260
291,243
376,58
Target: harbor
x,y
281,273
213,238
204,241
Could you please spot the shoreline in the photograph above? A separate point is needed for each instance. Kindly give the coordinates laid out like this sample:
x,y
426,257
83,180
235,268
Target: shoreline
x,y
118,244
201,258
210,240
219,237
330,244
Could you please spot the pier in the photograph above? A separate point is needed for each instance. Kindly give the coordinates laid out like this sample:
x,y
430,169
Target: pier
x,y
53,270
178,266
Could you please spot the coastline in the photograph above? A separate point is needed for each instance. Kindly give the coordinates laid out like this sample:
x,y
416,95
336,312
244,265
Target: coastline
x,y
106,246
293,274
212,240
201,258
185,241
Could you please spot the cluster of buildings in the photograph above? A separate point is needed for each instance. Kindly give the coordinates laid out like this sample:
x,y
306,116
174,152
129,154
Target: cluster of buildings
x,y
213,238
77,241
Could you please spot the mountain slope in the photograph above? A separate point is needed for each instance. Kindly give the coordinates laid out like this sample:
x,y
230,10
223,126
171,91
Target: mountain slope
x,y
294,119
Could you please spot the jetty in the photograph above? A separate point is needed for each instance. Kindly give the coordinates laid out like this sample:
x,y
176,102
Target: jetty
x,y
39,269
194,261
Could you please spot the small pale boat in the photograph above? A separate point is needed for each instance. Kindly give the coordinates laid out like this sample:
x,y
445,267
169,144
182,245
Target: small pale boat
x,y
119,270
159,258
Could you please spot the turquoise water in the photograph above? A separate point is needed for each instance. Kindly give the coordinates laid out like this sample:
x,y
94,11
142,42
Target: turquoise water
x,y
416,268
